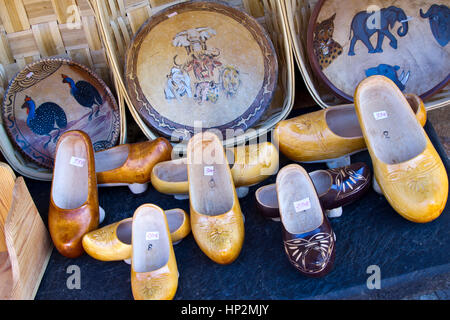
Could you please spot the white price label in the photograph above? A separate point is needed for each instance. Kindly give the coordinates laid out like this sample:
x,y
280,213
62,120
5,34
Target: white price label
x,y
77,162
302,205
152,235
208,171
380,115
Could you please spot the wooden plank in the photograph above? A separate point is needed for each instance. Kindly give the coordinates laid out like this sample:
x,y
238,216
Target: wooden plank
x,y
29,251
39,11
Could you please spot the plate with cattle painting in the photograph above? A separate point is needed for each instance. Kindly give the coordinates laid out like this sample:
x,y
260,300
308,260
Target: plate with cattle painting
x,y
404,40
52,96
201,65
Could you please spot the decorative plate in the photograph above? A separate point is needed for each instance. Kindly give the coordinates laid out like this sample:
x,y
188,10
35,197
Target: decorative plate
x,y
52,96
405,40
201,64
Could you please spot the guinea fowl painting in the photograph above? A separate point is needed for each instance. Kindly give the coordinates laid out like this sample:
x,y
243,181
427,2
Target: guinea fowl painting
x,y
45,119
39,107
85,94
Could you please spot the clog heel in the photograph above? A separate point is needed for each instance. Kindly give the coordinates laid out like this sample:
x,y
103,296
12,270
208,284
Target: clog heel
x,y
407,168
216,218
74,209
131,164
154,272
308,238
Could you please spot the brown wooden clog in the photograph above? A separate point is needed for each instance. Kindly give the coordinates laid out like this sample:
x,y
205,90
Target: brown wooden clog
x,y
308,238
74,209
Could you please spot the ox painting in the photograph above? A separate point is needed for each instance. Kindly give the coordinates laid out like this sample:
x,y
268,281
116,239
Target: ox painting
x,y
201,76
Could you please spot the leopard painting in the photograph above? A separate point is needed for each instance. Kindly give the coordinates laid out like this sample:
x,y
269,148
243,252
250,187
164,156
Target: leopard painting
x,y
325,48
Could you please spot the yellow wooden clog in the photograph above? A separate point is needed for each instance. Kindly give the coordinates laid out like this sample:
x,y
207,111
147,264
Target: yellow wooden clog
x,y
216,218
407,167
154,272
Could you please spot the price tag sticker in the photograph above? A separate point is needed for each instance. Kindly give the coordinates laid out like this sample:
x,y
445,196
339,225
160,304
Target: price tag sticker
x,y
77,162
152,235
208,171
380,115
29,75
302,205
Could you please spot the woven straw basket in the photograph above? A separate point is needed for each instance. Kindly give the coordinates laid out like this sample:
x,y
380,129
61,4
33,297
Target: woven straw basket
x,y
34,29
119,20
297,14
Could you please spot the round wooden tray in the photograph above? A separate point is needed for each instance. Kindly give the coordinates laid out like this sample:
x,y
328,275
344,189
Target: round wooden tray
x,y
410,46
201,64
52,96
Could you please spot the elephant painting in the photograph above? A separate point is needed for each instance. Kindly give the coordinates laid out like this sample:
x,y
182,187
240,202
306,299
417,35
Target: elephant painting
x,y
390,72
439,17
362,30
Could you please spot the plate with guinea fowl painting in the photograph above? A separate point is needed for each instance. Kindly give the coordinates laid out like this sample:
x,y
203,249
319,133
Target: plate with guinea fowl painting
x,y
52,96
406,41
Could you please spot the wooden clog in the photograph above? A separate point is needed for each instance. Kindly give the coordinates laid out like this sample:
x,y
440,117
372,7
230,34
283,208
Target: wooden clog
x,y
154,272
74,209
131,164
329,135
251,164
335,187
308,238
216,217
407,167
113,242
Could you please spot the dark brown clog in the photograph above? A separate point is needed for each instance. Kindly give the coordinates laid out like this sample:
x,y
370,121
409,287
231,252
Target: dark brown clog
x,y
308,238
335,187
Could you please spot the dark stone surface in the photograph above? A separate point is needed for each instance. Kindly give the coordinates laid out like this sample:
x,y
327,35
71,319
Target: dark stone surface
x,y
368,233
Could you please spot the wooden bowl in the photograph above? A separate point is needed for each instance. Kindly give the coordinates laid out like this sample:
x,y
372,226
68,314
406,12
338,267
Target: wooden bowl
x,y
52,96
406,42
200,64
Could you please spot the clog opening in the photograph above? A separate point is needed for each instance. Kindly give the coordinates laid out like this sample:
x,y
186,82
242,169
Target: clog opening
x,y
151,246
343,121
171,171
175,219
211,187
71,173
322,181
267,196
112,158
124,231
299,204
392,130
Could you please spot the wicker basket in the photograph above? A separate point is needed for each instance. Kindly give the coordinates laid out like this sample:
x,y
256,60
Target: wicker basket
x,y
119,20
31,30
297,13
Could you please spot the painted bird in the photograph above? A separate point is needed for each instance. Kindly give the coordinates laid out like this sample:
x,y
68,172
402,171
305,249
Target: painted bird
x,y
85,94
45,119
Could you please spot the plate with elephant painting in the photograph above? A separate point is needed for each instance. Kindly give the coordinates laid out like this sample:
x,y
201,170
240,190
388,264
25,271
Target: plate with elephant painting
x,y
52,96
404,40
201,64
